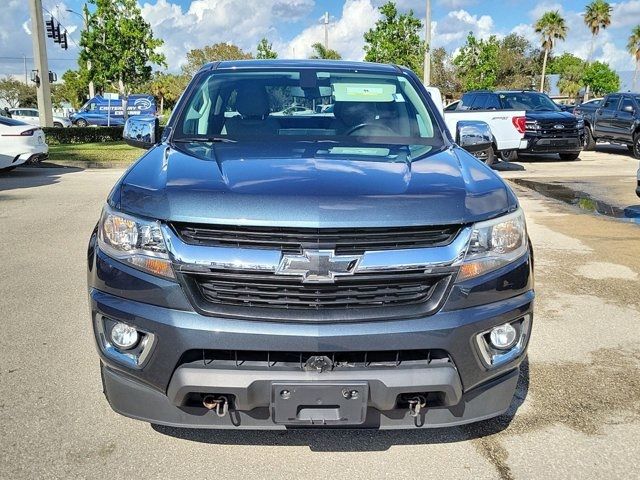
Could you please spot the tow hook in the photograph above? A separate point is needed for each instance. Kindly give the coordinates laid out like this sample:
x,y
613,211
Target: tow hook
x,y
416,404
220,404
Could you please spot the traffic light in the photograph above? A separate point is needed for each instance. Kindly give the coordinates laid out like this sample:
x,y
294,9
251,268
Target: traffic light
x,y
63,41
50,27
56,33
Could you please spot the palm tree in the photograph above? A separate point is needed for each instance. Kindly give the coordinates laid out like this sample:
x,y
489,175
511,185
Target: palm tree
x,y
596,16
634,49
323,52
551,27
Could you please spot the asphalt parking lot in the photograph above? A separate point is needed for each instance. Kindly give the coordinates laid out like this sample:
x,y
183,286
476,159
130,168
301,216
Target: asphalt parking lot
x,y
576,413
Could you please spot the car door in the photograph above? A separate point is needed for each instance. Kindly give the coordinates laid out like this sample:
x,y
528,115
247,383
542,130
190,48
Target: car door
x,y
19,114
33,116
624,120
604,116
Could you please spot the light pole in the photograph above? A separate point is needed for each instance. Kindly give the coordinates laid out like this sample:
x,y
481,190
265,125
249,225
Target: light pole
x,y
85,20
41,63
427,41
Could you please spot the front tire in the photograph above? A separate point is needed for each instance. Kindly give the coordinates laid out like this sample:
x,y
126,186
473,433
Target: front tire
x,y
57,124
569,157
510,156
81,122
589,142
636,145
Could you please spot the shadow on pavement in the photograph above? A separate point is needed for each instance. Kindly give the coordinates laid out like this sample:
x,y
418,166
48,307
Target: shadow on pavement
x,y
355,440
27,177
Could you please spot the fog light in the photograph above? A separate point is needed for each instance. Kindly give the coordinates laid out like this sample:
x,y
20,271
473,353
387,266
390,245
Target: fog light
x,y
124,336
503,336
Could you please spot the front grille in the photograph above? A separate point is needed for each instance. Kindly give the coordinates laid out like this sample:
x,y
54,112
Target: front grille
x,y
267,290
342,240
570,130
292,360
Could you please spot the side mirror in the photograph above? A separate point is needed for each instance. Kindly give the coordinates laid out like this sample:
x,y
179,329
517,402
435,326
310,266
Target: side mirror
x,y
141,131
628,109
474,136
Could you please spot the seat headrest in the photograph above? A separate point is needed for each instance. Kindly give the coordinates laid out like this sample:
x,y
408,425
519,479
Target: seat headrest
x,y
354,113
252,101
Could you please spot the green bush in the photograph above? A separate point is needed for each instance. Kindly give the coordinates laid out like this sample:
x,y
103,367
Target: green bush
x,y
57,136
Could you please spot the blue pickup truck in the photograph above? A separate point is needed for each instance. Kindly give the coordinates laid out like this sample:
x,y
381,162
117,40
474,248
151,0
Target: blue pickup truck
x,y
102,111
347,269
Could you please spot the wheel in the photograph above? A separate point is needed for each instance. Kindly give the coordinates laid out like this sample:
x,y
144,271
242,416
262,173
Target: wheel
x,y
510,155
81,122
630,147
636,145
57,124
589,142
569,156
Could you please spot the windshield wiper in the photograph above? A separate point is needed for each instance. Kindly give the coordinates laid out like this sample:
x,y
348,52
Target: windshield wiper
x,y
204,139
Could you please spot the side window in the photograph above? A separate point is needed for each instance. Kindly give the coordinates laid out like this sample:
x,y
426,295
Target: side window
x,y
92,107
480,102
611,102
492,102
32,113
626,102
467,101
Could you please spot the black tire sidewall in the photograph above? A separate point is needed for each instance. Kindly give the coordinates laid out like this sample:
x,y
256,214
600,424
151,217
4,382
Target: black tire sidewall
x,y
636,145
589,141
81,123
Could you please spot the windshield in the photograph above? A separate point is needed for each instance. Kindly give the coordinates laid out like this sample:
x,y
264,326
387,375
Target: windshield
x,y
527,101
338,109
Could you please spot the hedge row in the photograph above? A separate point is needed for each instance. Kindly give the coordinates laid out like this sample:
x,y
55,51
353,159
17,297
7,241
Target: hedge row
x,y
56,136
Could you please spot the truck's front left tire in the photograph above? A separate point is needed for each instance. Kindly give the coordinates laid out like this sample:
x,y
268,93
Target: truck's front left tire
x,y
589,141
569,157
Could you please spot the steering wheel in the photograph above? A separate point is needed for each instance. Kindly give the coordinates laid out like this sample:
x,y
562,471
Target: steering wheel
x,y
384,128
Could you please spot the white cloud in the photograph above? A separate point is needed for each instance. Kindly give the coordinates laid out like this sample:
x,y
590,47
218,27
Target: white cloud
x,y
345,33
451,31
625,14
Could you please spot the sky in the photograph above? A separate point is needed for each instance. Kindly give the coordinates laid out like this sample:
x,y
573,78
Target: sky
x,y
293,25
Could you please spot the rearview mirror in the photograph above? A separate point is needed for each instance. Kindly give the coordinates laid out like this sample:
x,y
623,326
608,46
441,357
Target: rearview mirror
x,y
141,131
474,136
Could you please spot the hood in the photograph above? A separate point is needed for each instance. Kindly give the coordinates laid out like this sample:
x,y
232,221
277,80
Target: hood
x,y
548,116
263,188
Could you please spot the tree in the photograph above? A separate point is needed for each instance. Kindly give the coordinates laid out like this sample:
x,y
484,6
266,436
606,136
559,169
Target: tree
x,y
120,45
518,63
633,47
73,88
597,15
166,88
571,70
217,52
265,50
396,38
477,63
443,73
320,51
17,94
601,79
551,27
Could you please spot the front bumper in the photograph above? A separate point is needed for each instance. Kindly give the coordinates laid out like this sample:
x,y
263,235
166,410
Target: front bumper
x,y
540,144
156,390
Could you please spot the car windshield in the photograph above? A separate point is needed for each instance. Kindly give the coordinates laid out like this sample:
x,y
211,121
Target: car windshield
x,y
11,122
527,101
339,110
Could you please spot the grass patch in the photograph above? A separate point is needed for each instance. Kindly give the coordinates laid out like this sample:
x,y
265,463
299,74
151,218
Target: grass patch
x,y
95,152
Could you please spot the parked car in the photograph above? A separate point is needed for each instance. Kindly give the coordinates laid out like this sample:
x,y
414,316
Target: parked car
x,y
504,128
20,143
452,106
32,117
616,119
356,269
102,111
546,128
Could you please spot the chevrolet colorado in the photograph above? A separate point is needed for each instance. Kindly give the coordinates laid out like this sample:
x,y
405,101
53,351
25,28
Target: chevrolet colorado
x,y
351,268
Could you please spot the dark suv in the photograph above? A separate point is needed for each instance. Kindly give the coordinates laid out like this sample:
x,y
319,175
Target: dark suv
x,y
353,268
546,127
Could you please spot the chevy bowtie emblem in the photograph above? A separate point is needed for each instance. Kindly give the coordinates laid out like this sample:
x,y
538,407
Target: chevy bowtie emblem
x,y
318,265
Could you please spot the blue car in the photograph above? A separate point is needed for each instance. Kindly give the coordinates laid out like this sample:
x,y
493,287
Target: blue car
x,y
355,269
102,112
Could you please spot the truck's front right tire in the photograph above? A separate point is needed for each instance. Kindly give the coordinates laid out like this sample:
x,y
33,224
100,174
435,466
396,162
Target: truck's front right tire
x,y
81,123
589,141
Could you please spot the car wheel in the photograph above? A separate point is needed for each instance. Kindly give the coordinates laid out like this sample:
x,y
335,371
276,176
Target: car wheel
x,y
57,124
81,122
569,156
636,145
510,155
589,142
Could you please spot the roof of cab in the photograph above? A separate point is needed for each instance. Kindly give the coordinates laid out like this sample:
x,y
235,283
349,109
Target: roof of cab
x,y
298,64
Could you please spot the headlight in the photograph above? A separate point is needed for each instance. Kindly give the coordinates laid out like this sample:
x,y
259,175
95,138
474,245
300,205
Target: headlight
x,y
135,241
494,244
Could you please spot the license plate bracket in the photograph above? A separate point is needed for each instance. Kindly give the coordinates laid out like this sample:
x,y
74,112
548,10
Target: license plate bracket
x,y
319,403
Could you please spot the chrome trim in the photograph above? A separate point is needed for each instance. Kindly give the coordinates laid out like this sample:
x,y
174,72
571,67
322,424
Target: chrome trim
x,y
127,358
318,266
200,259
491,357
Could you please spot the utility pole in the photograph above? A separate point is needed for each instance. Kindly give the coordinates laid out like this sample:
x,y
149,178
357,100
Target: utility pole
x,y
26,77
427,41
326,30
41,63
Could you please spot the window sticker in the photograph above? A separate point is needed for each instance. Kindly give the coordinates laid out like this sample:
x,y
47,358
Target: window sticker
x,y
364,92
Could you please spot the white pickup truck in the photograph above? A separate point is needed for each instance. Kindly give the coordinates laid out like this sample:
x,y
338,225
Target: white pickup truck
x,y
507,127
